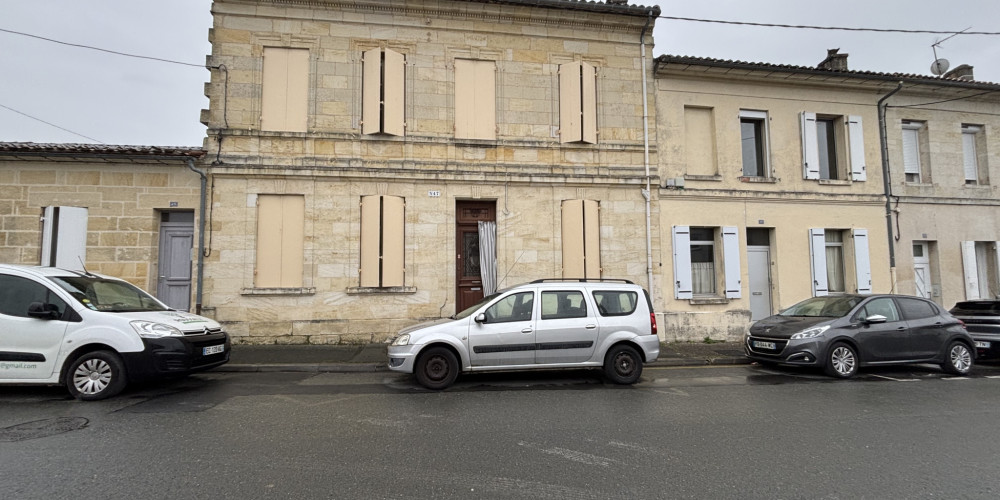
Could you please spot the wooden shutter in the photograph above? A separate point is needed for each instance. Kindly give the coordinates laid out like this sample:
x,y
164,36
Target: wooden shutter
x,y
971,269
574,265
856,142
392,241
683,286
731,260
862,261
570,104
285,89
817,253
371,235
371,92
591,239
280,232
588,79
393,84
810,147
475,99
382,244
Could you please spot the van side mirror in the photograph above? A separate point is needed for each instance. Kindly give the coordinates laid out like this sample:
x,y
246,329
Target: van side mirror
x,y
875,318
481,318
42,310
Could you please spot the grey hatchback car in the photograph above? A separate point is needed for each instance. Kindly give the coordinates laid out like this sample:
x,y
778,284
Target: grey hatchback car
x,y
841,333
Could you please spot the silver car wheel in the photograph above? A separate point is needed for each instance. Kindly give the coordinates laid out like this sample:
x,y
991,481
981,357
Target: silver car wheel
x,y
843,360
92,376
961,358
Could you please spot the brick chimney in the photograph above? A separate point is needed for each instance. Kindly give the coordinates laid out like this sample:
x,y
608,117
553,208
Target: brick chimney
x,y
834,61
961,72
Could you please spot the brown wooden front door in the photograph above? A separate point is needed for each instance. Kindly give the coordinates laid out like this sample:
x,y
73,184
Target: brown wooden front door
x,y
469,286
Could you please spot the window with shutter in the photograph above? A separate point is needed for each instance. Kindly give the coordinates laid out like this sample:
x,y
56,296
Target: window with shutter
x,y
280,231
382,243
911,151
475,99
577,103
970,153
581,239
383,99
285,89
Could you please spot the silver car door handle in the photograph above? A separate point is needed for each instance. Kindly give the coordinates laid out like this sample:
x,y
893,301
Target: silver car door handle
x,y
591,327
526,330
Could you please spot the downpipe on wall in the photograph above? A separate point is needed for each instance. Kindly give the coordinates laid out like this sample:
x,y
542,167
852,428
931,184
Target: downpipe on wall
x,y
646,193
887,185
201,236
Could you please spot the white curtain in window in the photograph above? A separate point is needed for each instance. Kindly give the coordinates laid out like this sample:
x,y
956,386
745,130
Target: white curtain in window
x,y
488,256
835,268
703,278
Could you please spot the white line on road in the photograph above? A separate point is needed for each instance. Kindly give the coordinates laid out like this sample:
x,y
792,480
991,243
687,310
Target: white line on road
x,y
898,379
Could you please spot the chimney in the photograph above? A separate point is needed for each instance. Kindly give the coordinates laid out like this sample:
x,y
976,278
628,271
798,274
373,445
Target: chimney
x,y
834,61
961,72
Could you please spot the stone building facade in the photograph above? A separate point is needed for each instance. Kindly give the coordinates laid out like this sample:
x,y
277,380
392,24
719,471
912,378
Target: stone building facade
x,y
126,211
376,163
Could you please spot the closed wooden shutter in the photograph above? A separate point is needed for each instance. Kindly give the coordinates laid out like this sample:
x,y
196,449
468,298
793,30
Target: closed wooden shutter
x,y
285,90
280,243
475,99
382,244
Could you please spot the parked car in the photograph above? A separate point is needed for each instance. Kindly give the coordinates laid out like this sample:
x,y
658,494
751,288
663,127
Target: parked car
x,y
605,324
841,333
96,333
982,319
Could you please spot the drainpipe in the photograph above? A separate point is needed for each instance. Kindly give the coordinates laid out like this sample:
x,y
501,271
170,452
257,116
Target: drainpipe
x,y
201,236
887,186
647,193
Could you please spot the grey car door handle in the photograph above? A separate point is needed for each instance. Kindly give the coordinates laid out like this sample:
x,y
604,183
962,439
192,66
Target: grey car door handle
x,y
526,330
591,327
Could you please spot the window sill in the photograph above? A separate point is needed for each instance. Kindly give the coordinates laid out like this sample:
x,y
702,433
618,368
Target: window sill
x,y
278,291
704,301
976,186
692,177
762,180
834,182
374,290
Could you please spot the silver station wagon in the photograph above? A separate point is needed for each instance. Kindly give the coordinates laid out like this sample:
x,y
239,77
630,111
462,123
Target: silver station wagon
x,y
606,324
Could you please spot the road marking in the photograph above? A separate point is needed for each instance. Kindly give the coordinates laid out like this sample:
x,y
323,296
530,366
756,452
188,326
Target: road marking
x,y
575,456
672,392
993,376
897,379
955,378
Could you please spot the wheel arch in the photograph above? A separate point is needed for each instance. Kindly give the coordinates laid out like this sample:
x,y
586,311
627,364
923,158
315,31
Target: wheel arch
x,y
84,349
463,361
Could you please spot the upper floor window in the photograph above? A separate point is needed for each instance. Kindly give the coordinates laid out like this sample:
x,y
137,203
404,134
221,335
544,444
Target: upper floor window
x,y
753,137
382,99
974,155
833,147
577,103
475,99
285,90
914,137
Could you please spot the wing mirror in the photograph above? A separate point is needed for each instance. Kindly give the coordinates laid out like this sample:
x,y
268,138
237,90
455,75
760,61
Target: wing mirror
x,y
481,318
875,318
42,310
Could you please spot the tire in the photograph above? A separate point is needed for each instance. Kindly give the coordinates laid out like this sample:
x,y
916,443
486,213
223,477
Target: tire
x,y
623,365
842,361
437,368
96,375
958,359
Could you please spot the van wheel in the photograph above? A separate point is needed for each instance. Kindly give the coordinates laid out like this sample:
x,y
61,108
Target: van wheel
x,y
623,365
958,359
437,368
96,375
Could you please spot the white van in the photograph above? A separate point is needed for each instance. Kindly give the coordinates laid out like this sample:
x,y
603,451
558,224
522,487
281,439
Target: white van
x,y
96,333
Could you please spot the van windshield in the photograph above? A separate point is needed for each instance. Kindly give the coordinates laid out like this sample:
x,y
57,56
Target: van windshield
x,y
107,295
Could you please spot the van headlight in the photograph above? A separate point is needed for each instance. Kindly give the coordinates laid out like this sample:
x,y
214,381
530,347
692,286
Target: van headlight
x,y
403,339
154,330
811,332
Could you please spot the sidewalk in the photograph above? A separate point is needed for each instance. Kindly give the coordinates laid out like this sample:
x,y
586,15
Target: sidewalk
x,y
373,358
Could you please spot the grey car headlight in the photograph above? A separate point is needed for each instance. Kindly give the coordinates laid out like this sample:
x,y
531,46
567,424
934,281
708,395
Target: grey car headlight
x,y
154,330
402,339
811,332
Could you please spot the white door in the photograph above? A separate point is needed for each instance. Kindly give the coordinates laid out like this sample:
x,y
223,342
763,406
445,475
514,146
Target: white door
x,y
922,270
759,270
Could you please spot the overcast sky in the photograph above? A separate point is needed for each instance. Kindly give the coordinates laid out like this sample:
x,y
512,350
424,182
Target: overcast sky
x,y
121,100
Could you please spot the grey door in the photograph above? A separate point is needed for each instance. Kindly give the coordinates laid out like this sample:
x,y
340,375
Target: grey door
x,y
176,239
759,270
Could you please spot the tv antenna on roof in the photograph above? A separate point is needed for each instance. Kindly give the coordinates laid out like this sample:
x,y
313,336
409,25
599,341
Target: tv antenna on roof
x,y
940,65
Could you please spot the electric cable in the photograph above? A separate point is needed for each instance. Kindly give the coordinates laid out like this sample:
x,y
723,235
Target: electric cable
x,y
50,124
833,28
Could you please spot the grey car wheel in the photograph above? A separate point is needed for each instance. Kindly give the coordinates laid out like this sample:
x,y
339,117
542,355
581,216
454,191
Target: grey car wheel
x,y
842,362
958,360
623,365
437,368
96,375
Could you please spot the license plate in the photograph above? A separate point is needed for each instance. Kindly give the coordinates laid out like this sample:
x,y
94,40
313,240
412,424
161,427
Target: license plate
x,y
213,349
982,345
765,345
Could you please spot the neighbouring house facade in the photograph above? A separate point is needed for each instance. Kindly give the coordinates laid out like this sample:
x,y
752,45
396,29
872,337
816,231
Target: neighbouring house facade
x,y
375,163
126,211
774,188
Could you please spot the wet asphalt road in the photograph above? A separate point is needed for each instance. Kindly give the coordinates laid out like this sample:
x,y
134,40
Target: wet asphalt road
x,y
711,432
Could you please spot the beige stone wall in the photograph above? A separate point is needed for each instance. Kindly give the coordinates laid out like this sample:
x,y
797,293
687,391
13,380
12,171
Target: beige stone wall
x,y
525,171
124,201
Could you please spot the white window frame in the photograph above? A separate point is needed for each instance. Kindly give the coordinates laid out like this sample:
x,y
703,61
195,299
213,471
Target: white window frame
x,y
683,278
911,151
852,167
765,146
970,154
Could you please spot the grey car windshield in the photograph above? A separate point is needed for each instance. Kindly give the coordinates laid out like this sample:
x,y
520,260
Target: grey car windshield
x,y
467,312
823,307
107,295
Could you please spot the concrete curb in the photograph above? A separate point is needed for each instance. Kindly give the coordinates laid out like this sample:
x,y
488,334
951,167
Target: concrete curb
x,y
380,367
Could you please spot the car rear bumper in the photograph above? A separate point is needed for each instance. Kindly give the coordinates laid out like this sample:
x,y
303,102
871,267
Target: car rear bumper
x,y
169,356
987,345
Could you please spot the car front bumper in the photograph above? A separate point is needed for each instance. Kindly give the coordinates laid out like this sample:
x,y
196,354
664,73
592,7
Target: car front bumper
x,y
403,357
806,352
169,356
